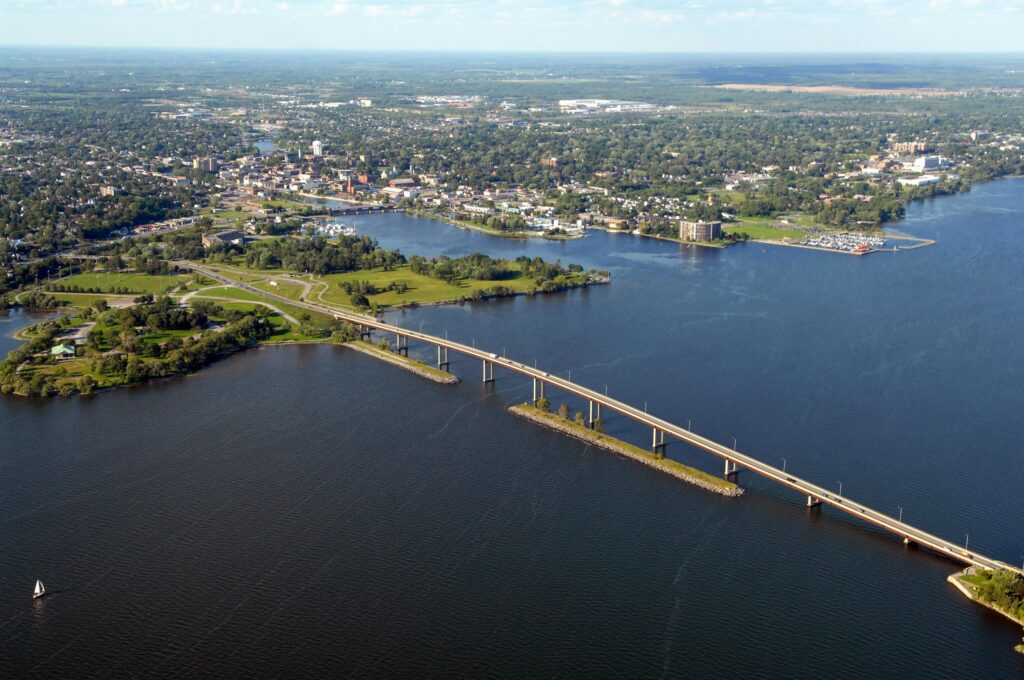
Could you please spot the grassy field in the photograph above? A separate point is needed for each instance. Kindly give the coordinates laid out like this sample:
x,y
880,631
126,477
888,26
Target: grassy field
x,y
242,274
422,289
135,283
89,299
288,288
762,230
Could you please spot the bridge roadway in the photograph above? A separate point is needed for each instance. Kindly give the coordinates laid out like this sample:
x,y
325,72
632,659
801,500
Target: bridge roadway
x,y
815,494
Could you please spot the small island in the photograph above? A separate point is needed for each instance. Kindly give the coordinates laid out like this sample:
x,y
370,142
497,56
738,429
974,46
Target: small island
x,y
1001,591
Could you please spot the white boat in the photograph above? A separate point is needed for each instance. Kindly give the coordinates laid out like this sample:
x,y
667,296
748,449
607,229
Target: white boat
x,y
39,591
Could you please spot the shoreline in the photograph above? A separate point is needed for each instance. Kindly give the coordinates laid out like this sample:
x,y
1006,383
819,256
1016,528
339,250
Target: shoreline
x,y
670,467
470,226
967,589
598,281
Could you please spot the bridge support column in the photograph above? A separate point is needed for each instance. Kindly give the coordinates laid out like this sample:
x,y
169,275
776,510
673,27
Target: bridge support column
x,y
595,413
401,344
813,502
442,359
658,443
731,469
488,371
365,333
538,390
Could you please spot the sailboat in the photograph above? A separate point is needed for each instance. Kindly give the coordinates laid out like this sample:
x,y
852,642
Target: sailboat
x,y
39,591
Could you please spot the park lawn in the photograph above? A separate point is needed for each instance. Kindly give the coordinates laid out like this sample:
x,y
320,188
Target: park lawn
x,y
83,300
297,206
243,274
226,214
161,337
763,229
134,282
66,370
288,288
422,289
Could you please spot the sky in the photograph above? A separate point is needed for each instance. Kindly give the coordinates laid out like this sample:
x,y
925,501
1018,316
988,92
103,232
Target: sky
x,y
524,25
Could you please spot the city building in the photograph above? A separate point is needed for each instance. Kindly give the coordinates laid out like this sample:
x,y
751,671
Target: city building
x,y
921,181
926,163
233,237
700,231
206,164
910,147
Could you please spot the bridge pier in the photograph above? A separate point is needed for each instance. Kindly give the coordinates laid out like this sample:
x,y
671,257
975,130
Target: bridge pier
x,y
732,470
365,333
488,371
401,344
658,442
595,413
442,359
813,502
538,390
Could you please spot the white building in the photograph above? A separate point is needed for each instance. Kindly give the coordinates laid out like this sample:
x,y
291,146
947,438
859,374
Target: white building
x,y
924,163
922,181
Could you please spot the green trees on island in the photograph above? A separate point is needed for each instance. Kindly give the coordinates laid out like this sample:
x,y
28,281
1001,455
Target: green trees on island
x,y
120,349
1003,589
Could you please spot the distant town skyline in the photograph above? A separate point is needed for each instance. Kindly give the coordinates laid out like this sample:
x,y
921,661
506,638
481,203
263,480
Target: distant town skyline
x,y
523,25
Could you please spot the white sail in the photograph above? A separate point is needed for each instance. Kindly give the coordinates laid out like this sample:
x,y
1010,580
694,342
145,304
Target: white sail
x,y
40,590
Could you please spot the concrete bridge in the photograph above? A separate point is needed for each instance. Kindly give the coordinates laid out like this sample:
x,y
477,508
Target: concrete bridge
x,y
661,430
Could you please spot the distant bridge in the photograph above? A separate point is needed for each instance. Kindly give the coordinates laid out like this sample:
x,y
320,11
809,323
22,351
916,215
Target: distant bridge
x,y
363,210
734,460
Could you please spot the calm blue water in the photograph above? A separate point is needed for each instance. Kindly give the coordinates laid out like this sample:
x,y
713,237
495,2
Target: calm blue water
x,y
310,512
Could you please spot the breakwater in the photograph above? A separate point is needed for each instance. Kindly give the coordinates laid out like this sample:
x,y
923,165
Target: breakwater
x,y
411,365
668,466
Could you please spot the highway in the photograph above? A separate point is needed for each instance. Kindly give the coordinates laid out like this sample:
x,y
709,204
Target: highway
x,y
812,491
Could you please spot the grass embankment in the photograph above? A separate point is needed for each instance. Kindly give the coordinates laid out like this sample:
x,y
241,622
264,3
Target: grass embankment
x,y
676,469
417,367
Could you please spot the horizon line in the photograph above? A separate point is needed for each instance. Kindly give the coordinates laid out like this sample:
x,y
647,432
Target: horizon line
x,y
455,51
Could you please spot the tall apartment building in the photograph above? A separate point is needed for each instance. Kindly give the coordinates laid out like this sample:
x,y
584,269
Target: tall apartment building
x,y
700,231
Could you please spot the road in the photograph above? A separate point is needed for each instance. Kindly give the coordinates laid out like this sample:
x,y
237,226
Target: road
x,y
807,488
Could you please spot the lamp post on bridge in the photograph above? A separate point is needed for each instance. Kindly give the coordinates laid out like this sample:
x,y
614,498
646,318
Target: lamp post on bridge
x,y
783,464
967,540
901,514
840,489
